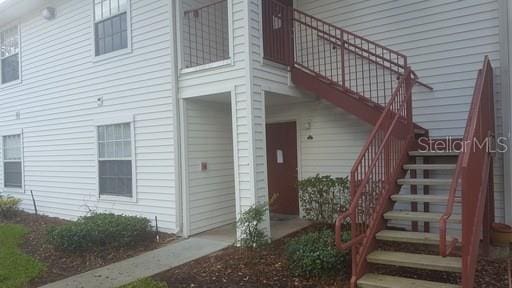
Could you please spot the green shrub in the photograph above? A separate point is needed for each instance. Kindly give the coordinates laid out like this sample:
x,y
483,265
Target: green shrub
x,y
315,255
99,231
249,224
146,283
9,206
323,197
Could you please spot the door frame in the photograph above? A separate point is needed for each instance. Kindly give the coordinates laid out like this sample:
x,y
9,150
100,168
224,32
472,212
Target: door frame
x,y
298,125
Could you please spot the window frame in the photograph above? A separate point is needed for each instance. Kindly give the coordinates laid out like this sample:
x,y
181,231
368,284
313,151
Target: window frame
x,y
120,119
18,81
22,160
117,53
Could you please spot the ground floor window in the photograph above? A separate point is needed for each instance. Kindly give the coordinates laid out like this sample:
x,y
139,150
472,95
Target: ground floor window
x,y
12,159
115,160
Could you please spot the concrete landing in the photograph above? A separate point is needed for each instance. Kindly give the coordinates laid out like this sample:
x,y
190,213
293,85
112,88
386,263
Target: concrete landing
x,y
280,226
144,265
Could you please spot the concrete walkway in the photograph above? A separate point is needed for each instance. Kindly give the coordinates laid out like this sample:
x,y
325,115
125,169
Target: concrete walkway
x,y
144,265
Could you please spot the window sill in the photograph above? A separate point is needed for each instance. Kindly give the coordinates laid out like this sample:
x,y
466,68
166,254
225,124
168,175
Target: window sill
x,y
117,199
218,64
111,55
10,84
10,190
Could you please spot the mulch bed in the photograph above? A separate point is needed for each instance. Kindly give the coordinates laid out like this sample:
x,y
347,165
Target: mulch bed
x,y
60,265
234,267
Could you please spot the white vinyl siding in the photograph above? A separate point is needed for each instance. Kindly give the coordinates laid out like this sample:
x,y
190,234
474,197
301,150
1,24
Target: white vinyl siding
x,y
115,160
209,140
59,112
332,142
13,171
445,41
9,55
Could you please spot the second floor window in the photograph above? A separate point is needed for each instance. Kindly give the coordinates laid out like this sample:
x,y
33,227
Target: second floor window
x,y
9,55
110,26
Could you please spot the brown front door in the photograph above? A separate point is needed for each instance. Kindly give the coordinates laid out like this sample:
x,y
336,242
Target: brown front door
x,y
282,168
277,30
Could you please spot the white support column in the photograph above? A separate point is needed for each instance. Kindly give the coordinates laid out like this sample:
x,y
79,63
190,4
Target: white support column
x,y
248,110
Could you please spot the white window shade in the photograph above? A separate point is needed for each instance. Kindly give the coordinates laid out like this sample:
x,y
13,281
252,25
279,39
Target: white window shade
x,y
12,147
9,42
107,8
9,55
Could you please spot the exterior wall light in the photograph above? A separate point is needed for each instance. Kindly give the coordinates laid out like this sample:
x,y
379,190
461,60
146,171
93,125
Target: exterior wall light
x,y
48,13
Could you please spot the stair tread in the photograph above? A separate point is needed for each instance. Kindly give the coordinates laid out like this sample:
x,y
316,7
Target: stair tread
x,y
420,261
433,153
419,216
424,181
430,166
410,237
420,131
439,199
371,280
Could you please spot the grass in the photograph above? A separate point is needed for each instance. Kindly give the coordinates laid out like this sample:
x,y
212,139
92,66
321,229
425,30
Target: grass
x,y
145,283
16,268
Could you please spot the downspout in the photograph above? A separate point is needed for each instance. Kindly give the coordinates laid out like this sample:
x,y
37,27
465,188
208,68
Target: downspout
x,y
177,118
508,114
506,87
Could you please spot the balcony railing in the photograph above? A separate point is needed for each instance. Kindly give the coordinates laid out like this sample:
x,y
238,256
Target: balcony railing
x,y
205,34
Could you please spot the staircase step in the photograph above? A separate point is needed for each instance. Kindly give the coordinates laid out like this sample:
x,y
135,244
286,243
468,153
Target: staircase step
x,y
412,260
424,181
438,199
420,131
383,281
433,153
430,166
419,216
410,237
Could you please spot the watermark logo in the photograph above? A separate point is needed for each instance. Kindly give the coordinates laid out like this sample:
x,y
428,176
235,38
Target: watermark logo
x,y
450,144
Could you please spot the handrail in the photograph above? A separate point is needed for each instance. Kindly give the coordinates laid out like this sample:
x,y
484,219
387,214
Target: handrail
x,y
338,45
472,175
363,67
445,248
375,172
381,145
204,7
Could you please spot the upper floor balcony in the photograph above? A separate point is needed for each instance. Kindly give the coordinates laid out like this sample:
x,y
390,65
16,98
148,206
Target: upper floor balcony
x,y
204,32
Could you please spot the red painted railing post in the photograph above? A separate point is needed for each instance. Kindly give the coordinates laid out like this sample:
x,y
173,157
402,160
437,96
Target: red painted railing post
x,y
474,174
342,37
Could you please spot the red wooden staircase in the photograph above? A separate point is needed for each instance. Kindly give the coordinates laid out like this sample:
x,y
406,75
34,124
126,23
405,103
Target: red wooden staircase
x,y
375,84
